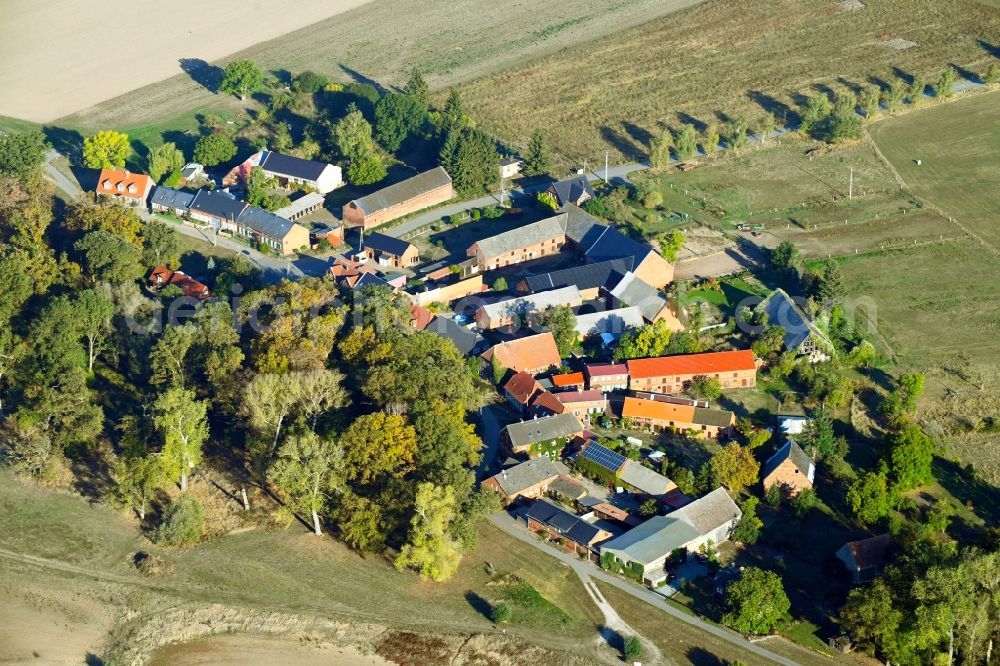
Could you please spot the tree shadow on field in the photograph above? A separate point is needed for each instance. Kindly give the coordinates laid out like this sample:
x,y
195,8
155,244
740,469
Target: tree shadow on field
x,y
783,113
850,85
979,496
283,75
903,75
203,73
688,119
479,604
967,74
880,82
825,89
613,638
702,657
138,161
640,135
185,141
68,142
621,143
358,77
992,49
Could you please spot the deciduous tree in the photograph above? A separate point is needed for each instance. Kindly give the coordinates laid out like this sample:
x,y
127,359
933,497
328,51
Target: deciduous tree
x,y
268,401
430,549
160,244
659,149
757,601
165,159
561,322
945,84
107,149
181,420
735,467
396,117
646,341
93,311
241,77
214,149
869,497
378,445
109,257
686,143
308,470
21,152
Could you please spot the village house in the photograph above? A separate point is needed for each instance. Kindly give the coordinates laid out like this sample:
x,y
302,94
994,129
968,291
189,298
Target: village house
x,y
448,290
530,480
216,208
544,403
310,202
633,291
289,171
608,324
129,188
518,312
529,437
660,415
574,229
533,354
424,190
790,469
468,342
606,376
570,531
170,201
161,277
192,173
584,405
590,279
865,559
265,228
801,334
616,469
673,374
652,544
332,235
519,390
510,167
576,191
389,251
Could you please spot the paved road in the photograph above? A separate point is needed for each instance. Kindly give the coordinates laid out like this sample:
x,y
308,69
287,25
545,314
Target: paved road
x,y
63,183
587,570
490,417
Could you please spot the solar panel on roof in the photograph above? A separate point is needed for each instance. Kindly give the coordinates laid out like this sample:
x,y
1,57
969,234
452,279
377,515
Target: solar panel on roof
x,y
604,457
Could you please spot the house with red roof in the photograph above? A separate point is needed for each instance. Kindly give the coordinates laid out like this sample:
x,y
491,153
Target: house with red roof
x,y
606,376
583,404
130,188
161,277
533,354
672,374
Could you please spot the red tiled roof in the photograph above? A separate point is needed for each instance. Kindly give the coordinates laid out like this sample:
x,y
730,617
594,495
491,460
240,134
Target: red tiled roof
x,y
606,369
545,401
422,317
534,352
161,276
661,411
692,364
569,397
568,379
123,184
521,387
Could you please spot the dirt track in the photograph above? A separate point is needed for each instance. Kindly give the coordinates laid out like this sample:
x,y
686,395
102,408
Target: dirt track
x,y
60,56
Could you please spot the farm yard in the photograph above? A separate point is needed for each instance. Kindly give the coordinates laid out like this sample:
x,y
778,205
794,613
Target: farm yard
x,y
720,59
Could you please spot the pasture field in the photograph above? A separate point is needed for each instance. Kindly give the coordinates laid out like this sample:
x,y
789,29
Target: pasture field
x,y
723,58
803,196
383,41
958,146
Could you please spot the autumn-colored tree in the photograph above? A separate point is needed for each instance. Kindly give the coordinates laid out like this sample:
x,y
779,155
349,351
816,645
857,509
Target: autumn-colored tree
x,y
115,218
106,150
378,445
268,401
735,467
430,549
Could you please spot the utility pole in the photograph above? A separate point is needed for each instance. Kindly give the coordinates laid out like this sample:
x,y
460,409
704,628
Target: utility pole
x,y
605,167
850,187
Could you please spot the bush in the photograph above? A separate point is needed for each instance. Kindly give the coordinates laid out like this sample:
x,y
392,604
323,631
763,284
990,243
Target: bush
x,y
183,522
501,613
653,200
633,648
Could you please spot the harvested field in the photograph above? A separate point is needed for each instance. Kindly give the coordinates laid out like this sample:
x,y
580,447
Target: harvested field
x,y
382,41
959,149
231,650
723,58
59,57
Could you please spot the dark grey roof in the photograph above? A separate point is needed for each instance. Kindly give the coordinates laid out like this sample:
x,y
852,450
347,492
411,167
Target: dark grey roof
x,y
613,244
581,227
296,167
468,342
404,190
515,479
588,276
719,418
782,311
543,429
529,234
572,527
790,450
265,222
166,196
387,244
567,488
570,191
218,204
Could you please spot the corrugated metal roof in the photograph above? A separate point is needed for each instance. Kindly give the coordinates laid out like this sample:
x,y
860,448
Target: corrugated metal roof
x,y
265,222
403,191
524,305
